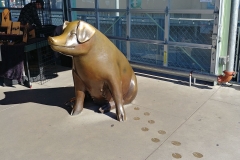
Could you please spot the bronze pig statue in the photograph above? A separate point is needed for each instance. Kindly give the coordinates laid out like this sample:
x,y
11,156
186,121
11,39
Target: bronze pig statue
x,y
99,68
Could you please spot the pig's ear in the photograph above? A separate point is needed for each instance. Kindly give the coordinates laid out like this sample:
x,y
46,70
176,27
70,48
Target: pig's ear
x,y
65,24
84,31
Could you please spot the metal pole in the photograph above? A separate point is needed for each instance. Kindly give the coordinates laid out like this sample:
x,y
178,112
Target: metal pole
x,y
117,7
175,72
216,39
166,34
97,14
128,29
223,35
190,80
68,11
232,35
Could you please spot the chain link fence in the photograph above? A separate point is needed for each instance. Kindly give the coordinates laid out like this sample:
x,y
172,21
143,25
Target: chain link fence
x,y
57,18
191,30
183,30
195,31
189,58
147,53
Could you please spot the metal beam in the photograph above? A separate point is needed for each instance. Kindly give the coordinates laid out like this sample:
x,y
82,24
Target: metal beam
x,y
232,35
193,11
97,14
176,72
128,29
166,35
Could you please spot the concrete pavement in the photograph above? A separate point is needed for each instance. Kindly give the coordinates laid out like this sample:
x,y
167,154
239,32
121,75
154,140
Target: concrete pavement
x,y
167,120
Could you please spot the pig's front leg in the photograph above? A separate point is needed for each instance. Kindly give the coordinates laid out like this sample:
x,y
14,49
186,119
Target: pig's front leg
x,y
117,95
79,94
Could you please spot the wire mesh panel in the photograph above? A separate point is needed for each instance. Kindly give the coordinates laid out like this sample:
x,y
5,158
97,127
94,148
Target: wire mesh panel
x,y
86,16
114,25
110,24
47,19
41,63
57,18
147,26
237,57
83,15
147,53
190,58
191,30
107,26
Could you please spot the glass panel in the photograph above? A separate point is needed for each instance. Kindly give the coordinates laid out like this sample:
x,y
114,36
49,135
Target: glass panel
x,y
14,15
27,1
56,4
3,3
147,26
149,4
18,3
83,3
191,4
112,4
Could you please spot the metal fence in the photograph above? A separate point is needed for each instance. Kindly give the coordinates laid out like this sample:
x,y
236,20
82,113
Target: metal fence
x,y
145,26
178,40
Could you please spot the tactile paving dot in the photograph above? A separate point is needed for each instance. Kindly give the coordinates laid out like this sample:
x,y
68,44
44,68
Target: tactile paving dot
x,y
155,140
136,108
176,143
151,121
198,155
161,132
146,114
145,129
177,155
136,118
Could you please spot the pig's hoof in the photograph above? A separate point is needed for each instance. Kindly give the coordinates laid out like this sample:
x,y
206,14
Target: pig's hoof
x,y
74,113
121,117
76,110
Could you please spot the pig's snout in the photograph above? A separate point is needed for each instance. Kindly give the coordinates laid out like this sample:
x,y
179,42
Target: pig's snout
x,y
51,40
57,41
